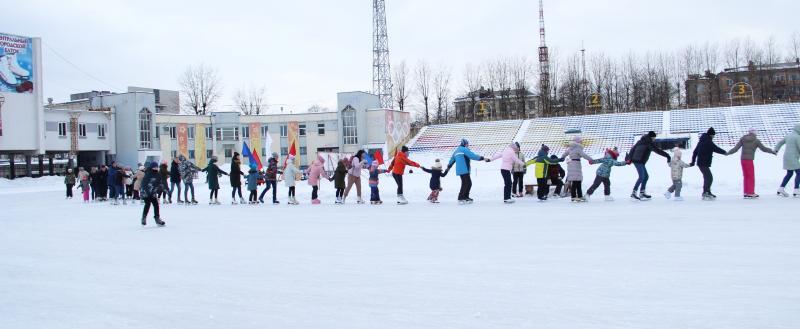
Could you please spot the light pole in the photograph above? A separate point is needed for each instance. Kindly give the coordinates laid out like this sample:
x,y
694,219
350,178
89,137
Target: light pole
x,y
2,100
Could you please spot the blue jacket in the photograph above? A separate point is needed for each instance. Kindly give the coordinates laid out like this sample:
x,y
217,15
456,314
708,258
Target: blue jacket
x,y
461,158
252,179
111,178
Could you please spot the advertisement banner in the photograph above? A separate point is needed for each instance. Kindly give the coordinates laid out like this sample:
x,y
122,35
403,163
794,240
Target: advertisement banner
x,y
398,131
16,64
200,144
293,140
183,139
255,137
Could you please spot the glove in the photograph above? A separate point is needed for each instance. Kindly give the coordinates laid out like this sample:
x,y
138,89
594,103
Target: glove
x,y
691,164
628,162
669,159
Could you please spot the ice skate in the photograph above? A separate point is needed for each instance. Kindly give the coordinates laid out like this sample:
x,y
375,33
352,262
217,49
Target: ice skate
x,y
644,196
5,71
667,195
797,193
360,201
316,201
509,201
678,198
609,198
144,221
338,200
707,197
216,202
13,65
751,196
241,201
635,197
276,202
401,200
194,202
470,201
160,222
782,192
462,202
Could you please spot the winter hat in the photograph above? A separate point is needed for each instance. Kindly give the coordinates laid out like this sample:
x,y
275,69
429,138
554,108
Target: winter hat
x,y
577,139
545,148
153,165
711,131
69,170
464,142
613,153
290,158
275,155
677,152
437,164
652,134
752,131
553,157
516,144
141,167
404,149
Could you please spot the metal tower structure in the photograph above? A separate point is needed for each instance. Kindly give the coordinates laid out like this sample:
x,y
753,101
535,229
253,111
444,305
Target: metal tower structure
x,y
381,67
544,63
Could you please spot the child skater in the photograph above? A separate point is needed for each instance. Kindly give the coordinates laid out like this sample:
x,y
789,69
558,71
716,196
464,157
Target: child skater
x,y
315,172
436,181
85,184
152,186
290,177
542,170
69,181
604,173
339,176
676,166
252,178
374,174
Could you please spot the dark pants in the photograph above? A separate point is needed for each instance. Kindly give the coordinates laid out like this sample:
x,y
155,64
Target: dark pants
x,y
339,192
214,194
708,179
172,187
399,180
151,201
271,184
129,191
69,190
253,196
518,186
375,195
291,190
600,180
506,183
643,177
466,186
314,192
186,188
236,189
788,177
543,189
575,189
558,183
120,191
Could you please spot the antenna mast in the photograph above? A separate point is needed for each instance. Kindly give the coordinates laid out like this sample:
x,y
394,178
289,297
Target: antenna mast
x,y
544,64
381,68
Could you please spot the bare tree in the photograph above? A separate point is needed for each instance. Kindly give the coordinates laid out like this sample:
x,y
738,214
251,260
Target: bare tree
x,y
251,101
521,72
316,108
201,87
423,72
400,81
441,86
794,47
472,82
733,53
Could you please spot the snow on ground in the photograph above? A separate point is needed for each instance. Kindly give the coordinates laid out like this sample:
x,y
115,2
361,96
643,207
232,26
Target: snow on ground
x,y
662,264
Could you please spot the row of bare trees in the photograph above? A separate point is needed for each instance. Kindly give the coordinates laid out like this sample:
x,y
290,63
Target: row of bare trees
x,y
633,82
201,86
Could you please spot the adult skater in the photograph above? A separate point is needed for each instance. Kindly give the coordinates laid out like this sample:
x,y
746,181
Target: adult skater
x,y
271,179
119,184
573,154
213,172
702,156
163,170
510,159
236,178
111,176
749,144
398,169
187,169
175,179
152,186
791,161
461,158
356,164
639,155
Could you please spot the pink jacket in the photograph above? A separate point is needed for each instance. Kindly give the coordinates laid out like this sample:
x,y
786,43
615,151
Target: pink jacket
x,y
357,165
317,170
509,156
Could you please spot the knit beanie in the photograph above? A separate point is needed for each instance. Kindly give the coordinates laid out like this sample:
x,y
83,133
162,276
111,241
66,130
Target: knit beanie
x,y
613,153
652,134
711,131
437,164
464,142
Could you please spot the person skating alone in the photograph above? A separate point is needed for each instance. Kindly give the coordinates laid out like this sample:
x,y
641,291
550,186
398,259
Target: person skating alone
x,y
638,156
339,177
188,170
791,161
213,172
271,179
398,169
152,186
236,178
69,181
676,166
461,158
290,178
509,159
355,165
436,180
749,144
573,154
607,162
315,172
702,156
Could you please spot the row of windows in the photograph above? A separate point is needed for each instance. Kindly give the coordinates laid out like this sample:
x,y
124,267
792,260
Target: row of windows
x,y
62,130
233,133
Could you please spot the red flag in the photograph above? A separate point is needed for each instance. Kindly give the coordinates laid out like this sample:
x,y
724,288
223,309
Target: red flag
x,y
258,160
379,157
292,151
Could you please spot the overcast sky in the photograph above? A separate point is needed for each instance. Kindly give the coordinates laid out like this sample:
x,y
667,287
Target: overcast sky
x,y
305,51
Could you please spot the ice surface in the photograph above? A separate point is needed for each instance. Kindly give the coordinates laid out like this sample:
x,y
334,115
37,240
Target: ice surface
x,y
661,264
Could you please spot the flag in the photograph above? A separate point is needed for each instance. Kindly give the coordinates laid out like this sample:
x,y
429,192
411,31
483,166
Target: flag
x,y
368,159
379,157
257,160
292,151
246,151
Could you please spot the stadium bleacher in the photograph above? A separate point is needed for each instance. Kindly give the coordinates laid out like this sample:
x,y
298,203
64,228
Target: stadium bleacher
x,y
772,122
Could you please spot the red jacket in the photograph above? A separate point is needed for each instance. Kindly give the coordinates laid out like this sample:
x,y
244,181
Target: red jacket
x,y
400,162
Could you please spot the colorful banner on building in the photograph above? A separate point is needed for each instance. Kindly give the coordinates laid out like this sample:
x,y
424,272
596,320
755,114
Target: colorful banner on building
x,y
255,136
398,130
183,139
200,144
16,64
293,140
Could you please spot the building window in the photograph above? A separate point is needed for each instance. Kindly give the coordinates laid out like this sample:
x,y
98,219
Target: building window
x,y
284,151
245,132
284,131
145,126
101,130
349,128
263,151
209,133
321,129
264,131
228,152
174,154
302,129
730,83
158,132
228,134
795,77
82,130
303,150
62,129
191,154
173,133
209,153
190,132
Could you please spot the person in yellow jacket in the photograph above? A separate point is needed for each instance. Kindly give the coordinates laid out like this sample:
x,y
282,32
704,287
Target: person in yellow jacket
x,y
541,169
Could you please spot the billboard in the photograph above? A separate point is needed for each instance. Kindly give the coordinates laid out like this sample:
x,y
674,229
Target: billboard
x,y
398,130
183,139
16,64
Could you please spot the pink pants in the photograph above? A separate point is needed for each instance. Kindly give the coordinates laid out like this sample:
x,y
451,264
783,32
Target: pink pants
x,y
749,174
86,194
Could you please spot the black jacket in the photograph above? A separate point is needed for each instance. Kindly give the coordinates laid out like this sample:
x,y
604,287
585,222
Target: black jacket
x,y
705,150
152,184
640,153
175,173
236,173
436,175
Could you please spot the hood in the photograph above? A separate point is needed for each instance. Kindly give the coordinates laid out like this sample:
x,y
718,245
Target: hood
x,y
320,159
514,147
575,145
749,137
181,158
647,138
705,137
